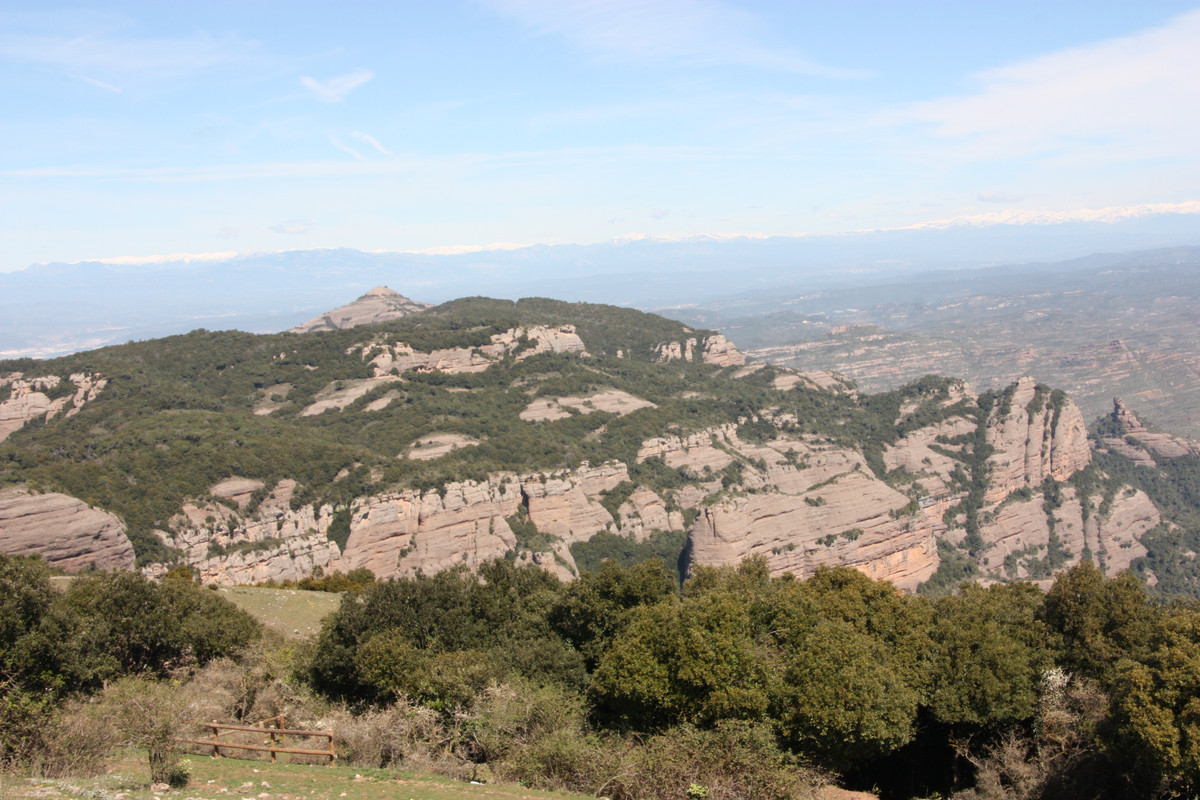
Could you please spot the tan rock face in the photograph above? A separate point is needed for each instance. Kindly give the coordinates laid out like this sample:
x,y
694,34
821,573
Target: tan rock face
x,y
1034,445
715,349
381,304
275,543
27,398
339,395
567,504
720,351
845,523
645,512
612,401
437,445
64,531
239,490
1163,445
397,358
406,532
694,452
1018,531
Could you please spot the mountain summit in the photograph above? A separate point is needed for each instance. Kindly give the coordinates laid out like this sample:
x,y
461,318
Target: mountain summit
x,y
381,304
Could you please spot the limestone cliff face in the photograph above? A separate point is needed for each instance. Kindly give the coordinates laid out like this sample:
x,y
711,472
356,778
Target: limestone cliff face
x,y
715,349
566,504
1034,441
407,532
398,533
229,547
64,531
819,505
28,399
799,500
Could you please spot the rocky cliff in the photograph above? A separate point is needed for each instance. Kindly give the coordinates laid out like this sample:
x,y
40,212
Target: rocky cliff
x,y
799,500
1140,444
712,349
63,531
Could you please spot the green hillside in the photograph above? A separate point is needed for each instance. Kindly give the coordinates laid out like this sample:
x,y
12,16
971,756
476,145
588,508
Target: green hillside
x,y
178,413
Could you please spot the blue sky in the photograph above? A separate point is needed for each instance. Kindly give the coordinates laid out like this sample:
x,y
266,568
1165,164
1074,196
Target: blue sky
x,y
135,129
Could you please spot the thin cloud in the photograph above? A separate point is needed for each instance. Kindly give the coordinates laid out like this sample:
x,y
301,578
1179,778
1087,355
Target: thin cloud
x,y
228,233
97,45
294,227
335,90
345,148
1128,97
697,32
371,140
100,84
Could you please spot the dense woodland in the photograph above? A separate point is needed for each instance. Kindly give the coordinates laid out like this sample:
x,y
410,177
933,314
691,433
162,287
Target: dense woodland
x,y
743,684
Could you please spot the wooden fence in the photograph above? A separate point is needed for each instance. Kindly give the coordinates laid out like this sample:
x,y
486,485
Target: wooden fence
x,y
274,739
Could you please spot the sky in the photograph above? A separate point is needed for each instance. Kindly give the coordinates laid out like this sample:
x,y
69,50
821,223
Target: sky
x,y
134,129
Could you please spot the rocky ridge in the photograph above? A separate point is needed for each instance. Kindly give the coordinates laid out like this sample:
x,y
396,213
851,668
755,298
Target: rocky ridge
x,y
1141,444
381,304
742,459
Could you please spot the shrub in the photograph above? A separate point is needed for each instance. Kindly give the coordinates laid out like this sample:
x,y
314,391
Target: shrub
x,y
736,760
151,715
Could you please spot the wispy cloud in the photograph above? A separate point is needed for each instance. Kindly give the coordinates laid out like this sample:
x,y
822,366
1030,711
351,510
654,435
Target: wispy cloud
x,y
1130,97
228,233
335,90
694,32
371,140
102,45
345,148
294,227
108,87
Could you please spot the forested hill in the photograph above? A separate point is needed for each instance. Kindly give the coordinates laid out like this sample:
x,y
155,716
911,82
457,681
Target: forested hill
x,y
547,432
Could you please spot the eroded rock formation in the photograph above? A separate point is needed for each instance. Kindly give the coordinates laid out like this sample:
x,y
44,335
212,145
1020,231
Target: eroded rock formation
x,y
715,349
30,398
63,530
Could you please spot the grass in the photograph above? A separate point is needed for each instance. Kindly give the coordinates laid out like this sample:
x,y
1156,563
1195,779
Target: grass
x,y
295,613
236,779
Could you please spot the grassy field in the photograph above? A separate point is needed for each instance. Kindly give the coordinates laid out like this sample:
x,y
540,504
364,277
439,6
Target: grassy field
x,y
295,613
235,779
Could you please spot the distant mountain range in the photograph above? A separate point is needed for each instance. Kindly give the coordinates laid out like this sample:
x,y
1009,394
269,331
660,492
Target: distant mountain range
x,y
54,309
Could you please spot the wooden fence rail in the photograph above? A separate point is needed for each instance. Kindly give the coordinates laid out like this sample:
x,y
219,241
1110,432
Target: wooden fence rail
x,y
276,735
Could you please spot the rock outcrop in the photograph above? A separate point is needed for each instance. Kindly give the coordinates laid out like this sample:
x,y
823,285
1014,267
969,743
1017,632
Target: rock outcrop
x,y
275,542
30,398
1033,439
613,401
715,349
816,504
396,358
381,304
1141,444
64,531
